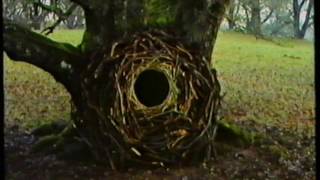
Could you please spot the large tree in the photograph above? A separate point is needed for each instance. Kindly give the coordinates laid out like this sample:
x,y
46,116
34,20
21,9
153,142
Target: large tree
x,y
257,13
91,70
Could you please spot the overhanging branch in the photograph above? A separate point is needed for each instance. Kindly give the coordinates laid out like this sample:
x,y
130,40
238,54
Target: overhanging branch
x,y
49,8
62,17
59,59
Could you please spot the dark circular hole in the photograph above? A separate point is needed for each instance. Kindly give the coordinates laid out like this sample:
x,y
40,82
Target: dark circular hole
x,y
151,87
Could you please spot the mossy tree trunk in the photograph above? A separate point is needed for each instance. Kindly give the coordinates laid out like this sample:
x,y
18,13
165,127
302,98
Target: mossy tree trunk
x,y
107,22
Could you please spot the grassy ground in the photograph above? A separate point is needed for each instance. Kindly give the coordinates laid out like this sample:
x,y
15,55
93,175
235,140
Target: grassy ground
x,y
32,97
268,82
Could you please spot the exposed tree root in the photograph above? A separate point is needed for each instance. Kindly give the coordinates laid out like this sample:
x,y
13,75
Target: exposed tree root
x,y
63,140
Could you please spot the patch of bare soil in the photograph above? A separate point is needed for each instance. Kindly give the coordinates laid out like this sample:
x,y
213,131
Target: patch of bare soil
x,y
283,156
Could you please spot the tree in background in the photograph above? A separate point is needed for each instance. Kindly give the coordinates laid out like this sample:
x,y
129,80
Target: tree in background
x,y
24,12
286,18
76,18
257,13
37,14
302,17
233,15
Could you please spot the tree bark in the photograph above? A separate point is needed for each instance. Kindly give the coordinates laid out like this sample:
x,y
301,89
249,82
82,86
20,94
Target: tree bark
x,y
100,26
199,25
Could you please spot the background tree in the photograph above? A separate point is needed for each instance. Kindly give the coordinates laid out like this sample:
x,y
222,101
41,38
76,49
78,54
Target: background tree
x,y
286,18
24,12
75,19
37,14
233,15
280,23
257,13
300,23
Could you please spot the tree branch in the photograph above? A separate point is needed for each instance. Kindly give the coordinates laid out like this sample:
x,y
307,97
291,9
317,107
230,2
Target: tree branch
x,y
59,59
49,8
310,22
62,17
301,4
246,10
267,17
237,8
307,18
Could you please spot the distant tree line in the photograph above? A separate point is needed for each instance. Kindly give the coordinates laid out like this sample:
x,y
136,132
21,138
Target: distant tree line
x,y
271,17
258,17
38,14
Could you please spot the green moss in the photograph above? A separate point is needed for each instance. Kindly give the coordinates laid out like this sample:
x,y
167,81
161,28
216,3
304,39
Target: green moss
x,y
64,144
46,143
49,128
234,135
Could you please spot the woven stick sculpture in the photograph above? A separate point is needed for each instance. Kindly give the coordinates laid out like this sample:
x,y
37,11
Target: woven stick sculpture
x,y
163,103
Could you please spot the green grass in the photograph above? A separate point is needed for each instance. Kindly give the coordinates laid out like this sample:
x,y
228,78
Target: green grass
x,y
268,82
32,96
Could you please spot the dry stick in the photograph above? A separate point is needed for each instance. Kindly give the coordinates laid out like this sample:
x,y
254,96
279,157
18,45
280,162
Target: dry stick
x,y
150,128
206,128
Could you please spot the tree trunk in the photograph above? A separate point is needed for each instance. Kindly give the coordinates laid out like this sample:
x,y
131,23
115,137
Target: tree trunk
x,y
296,18
233,14
230,18
256,18
35,18
300,30
150,97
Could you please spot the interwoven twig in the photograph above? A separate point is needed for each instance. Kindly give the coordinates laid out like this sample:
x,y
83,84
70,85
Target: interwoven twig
x,y
180,128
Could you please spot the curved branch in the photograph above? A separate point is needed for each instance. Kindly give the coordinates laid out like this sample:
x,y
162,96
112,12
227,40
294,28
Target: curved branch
x,y
62,17
267,17
48,8
301,4
59,59
305,24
